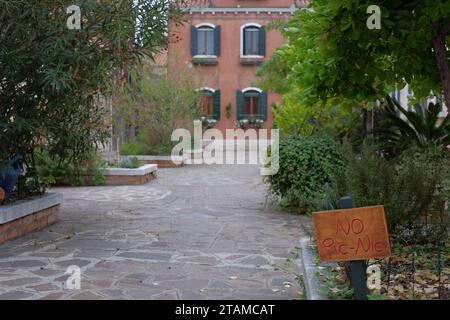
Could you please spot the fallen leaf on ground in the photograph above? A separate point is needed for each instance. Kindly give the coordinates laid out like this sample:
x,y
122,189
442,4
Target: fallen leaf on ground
x,y
399,288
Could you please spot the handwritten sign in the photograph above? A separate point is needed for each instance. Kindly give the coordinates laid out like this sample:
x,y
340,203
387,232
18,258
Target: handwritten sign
x,y
352,234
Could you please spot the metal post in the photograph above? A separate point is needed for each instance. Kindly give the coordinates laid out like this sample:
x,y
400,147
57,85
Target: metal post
x,y
358,268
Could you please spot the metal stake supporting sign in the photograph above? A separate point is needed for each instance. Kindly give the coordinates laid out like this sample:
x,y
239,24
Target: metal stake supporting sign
x,y
358,268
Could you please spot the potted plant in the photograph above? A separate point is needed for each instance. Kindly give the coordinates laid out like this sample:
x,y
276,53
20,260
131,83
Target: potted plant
x,y
208,123
250,122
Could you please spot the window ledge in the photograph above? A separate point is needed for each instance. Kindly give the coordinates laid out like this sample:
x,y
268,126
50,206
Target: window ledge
x,y
205,60
250,122
252,60
208,118
205,56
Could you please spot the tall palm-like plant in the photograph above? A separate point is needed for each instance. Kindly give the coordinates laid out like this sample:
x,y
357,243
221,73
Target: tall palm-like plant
x,y
420,127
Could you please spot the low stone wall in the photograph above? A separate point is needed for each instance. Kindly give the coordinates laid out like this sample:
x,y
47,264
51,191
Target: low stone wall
x,y
125,177
26,216
161,161
193,156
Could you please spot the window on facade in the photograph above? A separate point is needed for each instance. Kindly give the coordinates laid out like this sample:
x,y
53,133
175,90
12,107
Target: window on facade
x,y
205,38
207,103
396,94
251,103
410,92
251,41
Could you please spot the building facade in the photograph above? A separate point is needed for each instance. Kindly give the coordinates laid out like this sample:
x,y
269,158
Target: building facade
x,y
224,42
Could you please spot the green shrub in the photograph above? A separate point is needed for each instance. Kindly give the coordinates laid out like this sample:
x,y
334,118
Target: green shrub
x,y
134,148
421,127
146,144
306,164
57,171
412,187
98,179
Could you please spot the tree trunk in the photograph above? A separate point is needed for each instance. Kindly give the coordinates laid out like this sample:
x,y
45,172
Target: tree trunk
x,y
440,50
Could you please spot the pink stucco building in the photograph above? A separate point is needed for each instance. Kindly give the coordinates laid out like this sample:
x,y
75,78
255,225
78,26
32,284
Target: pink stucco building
x,y
224,42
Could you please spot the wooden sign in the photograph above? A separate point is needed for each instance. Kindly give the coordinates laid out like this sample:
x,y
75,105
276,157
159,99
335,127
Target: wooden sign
x,y
2,195
352,234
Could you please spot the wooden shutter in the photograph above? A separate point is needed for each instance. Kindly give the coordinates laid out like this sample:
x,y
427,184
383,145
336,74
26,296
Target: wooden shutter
x,y
216,104
262,41
217,40
240,104
263,105
194,41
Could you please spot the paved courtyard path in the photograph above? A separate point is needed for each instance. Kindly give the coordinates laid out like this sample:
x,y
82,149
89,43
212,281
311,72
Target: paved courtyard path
x,y
197,232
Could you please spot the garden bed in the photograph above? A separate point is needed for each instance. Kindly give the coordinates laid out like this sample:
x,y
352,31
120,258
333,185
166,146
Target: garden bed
x,y
161,161
420,272
25,216
125,176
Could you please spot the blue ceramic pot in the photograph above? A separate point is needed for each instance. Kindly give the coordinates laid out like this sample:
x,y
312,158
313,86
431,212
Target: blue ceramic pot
x,y
12,174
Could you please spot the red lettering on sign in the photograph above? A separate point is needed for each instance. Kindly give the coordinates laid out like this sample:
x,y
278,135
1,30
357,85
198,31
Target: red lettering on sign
x,y
356,226
339,224
357,223
341,250
379,246
360,244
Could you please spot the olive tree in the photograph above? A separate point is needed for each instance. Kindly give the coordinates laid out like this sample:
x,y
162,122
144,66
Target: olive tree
x,y
51,72
157,104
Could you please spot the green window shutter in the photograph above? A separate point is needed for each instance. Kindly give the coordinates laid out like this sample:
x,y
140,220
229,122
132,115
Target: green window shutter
x,y
216,101
240,104
262,41
217,40
194,41
263,105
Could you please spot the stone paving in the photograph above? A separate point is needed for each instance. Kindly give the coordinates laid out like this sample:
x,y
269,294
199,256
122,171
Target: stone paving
x,y
197,232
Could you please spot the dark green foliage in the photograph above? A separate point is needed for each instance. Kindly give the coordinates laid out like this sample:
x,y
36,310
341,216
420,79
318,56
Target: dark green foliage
x,y
306,165
420,127
331,54
30,186
65,172
413,187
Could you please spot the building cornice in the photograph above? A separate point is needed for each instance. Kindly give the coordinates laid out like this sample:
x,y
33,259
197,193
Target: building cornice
x,y
242,10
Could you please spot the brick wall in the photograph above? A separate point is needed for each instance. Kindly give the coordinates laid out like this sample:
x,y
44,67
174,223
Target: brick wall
x,y
30,223
230,73
162,163
129,180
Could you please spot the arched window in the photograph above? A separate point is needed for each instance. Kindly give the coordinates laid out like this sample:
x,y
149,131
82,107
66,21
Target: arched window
x,y
251,103
207,102
253,40
205,45
210,103
205,40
